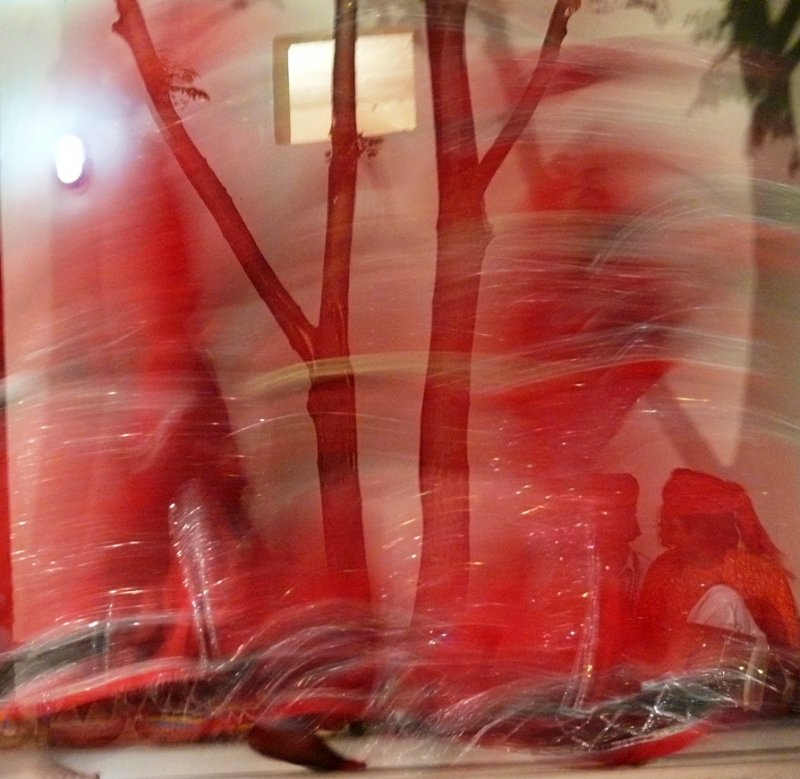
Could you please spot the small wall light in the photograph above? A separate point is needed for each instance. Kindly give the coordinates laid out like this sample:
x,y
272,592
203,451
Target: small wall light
x,y
69,155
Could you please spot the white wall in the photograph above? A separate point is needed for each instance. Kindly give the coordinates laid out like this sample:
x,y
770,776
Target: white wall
x,y
649,82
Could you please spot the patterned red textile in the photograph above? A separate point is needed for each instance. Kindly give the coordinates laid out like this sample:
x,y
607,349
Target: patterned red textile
x,y
690,492
673,586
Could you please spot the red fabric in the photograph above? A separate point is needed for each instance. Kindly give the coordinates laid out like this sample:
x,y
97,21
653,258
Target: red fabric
x,y
6,587
688,493
673,586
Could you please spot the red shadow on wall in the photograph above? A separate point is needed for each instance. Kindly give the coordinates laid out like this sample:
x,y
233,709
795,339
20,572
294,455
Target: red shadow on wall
x,y
6,603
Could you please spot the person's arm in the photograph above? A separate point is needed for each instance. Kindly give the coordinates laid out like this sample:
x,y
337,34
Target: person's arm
x,y
648,643
779,595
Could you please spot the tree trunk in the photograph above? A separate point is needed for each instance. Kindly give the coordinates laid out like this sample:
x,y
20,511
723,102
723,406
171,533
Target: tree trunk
x,y
462,237
331,404
324,348
444,439
463,234
331,396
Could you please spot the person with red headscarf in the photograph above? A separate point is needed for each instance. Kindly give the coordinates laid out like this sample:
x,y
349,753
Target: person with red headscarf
x,y
721,574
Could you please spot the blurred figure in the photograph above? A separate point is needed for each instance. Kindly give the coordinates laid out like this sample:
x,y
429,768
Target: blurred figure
x,y
618,570
721,575
621,568
563,606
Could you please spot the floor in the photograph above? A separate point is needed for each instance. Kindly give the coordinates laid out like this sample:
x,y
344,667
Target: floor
x,y
763,752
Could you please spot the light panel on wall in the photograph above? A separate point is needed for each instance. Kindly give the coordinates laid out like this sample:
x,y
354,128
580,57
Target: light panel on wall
x,y
386,102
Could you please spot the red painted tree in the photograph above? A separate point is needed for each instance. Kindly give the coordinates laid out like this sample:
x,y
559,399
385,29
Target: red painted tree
x,y
324,347
463,234
591,324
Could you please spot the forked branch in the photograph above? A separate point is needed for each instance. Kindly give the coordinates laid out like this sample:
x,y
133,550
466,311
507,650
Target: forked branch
x,y
131,26
534,91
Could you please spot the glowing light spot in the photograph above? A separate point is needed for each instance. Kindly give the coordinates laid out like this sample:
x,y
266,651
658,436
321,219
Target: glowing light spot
x,y
70,159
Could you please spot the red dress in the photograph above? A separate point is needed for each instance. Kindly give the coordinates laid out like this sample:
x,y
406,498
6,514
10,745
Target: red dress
x,y
673,586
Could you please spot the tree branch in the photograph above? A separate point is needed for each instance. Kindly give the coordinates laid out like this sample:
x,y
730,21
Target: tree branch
x,y
784,27
537,86
132,28
342,175
453,115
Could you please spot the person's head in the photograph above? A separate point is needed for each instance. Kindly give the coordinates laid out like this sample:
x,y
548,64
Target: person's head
x,y
705,538
605,502
611,506
689,496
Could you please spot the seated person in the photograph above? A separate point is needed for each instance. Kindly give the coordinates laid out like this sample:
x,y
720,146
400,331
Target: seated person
x,y
721,574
